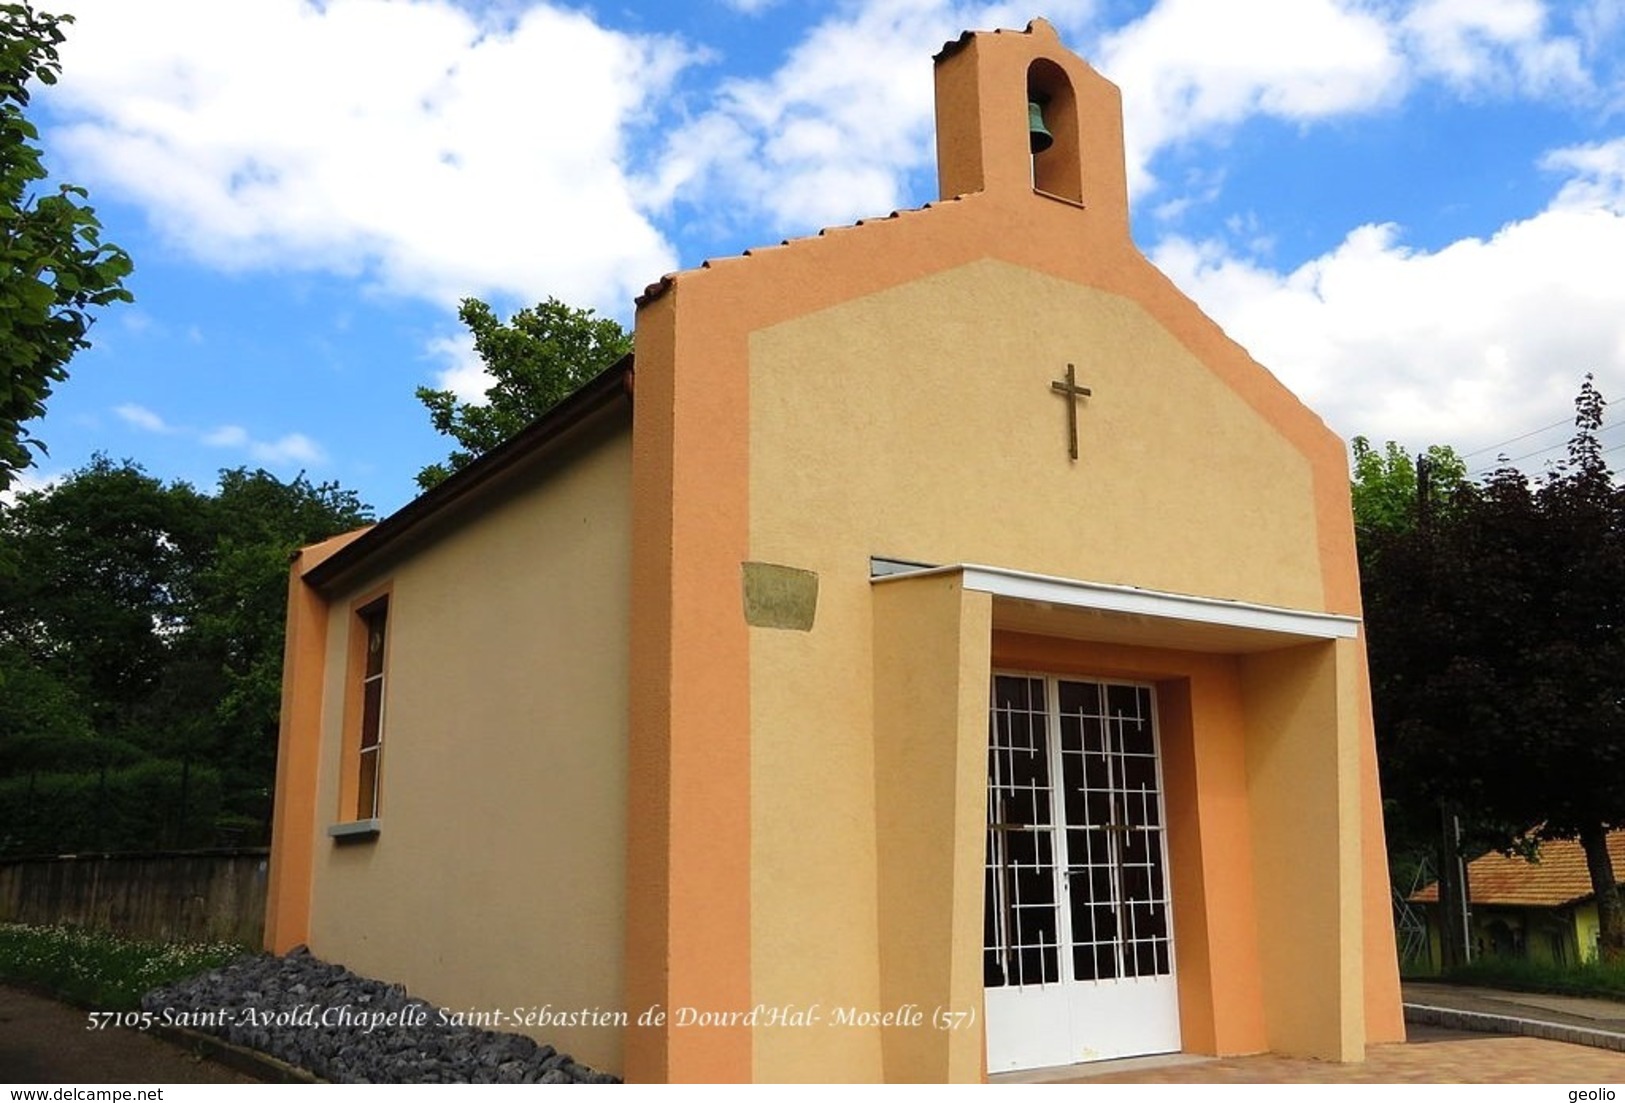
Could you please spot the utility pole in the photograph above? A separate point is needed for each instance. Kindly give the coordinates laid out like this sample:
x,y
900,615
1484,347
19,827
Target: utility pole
x,y
1455,936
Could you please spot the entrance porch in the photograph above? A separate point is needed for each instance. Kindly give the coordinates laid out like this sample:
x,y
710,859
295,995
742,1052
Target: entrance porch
x,y
1255,715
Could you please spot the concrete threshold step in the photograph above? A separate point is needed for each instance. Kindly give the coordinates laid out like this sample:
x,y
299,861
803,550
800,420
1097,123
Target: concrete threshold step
x,y
1485,1022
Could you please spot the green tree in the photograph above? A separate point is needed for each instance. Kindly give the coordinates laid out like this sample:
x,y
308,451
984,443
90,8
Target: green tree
x,y
536,360
1385,488
42,721
237,621
101,590
54,267
142,625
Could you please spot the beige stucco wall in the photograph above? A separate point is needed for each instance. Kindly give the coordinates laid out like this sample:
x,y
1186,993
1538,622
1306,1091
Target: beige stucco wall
x,y
911,423
498,879
932,655
1302,779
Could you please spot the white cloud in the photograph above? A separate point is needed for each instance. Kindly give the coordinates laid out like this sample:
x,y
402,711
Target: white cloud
x,y
289,448
142,418
293,447
1598,175
24,482
286,449
834,132
1501,46
436,152
1193,68
1598,19
227,436
1467,345
464,374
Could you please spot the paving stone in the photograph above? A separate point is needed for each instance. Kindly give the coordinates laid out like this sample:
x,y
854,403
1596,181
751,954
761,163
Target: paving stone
x,y
1432,1056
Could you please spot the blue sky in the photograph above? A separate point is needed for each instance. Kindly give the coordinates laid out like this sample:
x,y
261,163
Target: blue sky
x,y
1412,212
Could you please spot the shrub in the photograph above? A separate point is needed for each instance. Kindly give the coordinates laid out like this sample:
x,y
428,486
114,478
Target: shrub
x,y
1604,979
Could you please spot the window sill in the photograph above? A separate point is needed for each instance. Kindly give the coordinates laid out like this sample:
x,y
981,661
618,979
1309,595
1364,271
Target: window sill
x,y
1061,199
355,830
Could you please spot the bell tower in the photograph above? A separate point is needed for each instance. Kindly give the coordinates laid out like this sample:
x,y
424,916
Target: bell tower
x,y
994,88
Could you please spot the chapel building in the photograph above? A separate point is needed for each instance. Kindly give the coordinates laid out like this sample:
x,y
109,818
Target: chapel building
x,y
936,653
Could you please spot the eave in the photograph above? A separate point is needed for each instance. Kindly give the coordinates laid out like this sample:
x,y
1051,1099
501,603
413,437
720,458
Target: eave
x,y
425,513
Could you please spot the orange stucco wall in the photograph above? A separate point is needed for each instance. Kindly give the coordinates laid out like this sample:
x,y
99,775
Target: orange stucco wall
x,y
294,820
883,390
689,812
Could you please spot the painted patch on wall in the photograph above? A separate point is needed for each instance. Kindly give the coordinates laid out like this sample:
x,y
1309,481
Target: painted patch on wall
x,y
779,597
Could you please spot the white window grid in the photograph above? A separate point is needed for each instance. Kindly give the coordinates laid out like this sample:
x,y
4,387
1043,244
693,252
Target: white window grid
x,y
1117,918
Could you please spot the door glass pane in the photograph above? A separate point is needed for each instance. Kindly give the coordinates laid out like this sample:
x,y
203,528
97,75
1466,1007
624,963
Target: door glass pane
x,y
372,704
992,959
1136,882
367,787
375,621
1083,961
1105,962
1020,923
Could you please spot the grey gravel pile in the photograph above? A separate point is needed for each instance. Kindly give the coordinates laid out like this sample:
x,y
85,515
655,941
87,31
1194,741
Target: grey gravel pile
x,y
289,1007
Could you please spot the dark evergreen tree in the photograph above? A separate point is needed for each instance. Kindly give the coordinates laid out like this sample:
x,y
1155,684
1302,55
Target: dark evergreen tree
x,y
1496,630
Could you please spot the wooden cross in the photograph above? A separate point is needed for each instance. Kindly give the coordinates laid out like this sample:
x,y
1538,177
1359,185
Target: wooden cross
x,y
1072,392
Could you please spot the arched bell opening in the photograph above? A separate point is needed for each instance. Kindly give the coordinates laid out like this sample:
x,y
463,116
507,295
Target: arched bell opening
x,y
1053,132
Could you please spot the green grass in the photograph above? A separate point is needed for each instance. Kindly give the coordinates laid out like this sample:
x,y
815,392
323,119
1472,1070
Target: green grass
x,y
100,970
1606,980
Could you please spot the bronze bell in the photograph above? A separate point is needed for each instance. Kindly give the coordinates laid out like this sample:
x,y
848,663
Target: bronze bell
x,y
1037,133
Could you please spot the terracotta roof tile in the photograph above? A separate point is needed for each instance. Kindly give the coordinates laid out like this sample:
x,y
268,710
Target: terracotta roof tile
x,y
1559,877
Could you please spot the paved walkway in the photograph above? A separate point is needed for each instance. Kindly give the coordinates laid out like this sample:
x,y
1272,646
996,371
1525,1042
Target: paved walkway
x,y
1432,1056
45,1042
1514,1040
1577,1019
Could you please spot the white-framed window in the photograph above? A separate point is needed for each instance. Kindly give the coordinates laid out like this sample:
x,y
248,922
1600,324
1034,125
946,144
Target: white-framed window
x,y
370,744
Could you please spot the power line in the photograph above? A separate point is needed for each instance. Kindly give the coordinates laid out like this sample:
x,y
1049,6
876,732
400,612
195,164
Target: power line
x,y
1516,439
1525,436
1554,446
1513,462
1530,455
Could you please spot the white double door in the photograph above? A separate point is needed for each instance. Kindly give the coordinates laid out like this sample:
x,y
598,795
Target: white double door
x,y
1077,948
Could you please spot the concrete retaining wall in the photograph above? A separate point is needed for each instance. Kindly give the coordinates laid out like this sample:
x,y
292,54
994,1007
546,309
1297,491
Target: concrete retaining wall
x,y
190,896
